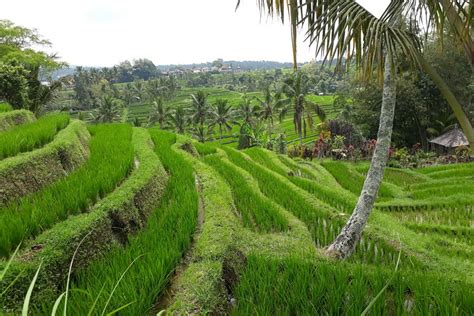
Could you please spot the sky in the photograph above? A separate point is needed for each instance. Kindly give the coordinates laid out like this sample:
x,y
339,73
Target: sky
x,y
106,32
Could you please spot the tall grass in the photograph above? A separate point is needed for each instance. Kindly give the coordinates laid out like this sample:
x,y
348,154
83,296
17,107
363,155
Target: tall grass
x,y
334,196
160,246
293,287
323,229
257,213
204,149
351,180
5,107
440,168
33,135
321,221
110,161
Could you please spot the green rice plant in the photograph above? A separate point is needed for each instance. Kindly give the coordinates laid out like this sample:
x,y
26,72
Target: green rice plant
x,y
110,161
257,213
442,216
5,107
204,149
33,135
160,246
453,173
353,181
339,199
438,168
322,223
295,168
440,183
397,176
327,288
456,233
446,190
323,228
262,157
452,203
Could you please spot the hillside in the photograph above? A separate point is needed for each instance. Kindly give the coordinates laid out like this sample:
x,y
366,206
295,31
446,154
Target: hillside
x,y
140,220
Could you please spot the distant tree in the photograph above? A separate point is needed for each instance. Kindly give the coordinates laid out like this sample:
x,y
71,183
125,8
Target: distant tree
x,y
21,62
14,84
199,113
296,87
160,113
156,89
247,111
125,72
179,119
109,110
222,115
139,90
129,94
272,106
144,69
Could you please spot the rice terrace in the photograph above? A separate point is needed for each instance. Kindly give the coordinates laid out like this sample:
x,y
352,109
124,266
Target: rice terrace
x,y
340,183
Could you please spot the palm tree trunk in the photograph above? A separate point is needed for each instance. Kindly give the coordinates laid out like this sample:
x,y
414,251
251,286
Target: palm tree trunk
x,y
220,133
344,244
452,101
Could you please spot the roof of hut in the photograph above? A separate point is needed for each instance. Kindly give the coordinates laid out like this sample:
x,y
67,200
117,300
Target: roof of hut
x,y
453,138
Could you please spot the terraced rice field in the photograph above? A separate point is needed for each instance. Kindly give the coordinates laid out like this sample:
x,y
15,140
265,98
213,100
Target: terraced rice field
x,y
153,221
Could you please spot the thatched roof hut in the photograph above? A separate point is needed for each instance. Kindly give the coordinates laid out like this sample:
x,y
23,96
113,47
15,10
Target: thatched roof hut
x,y
452,139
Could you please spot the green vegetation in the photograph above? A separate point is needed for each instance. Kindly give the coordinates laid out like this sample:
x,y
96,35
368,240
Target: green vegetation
x,y
5,107
10,119
27,137
158,248
110,161
256,212
301,288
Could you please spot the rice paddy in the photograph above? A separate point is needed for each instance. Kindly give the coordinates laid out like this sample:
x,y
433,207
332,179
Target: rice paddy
x,y
32,135
237,232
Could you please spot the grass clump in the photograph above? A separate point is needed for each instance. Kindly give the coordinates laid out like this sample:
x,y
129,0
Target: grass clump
x,y
5,107
257,213
32,135
204,149
110,161
294,287
159,246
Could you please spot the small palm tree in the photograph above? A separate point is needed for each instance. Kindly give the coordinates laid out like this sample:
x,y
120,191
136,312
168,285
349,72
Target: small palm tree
x,y
155,89
247,111
179,120
297,89
199,111
272,105
160,114
139,89
222,115
109,110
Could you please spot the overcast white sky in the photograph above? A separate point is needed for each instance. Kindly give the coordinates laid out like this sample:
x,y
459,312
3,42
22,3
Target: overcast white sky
x,y
105,32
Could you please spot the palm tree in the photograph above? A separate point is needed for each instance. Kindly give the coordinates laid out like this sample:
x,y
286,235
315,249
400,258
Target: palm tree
x,y
297,89
344,29
199,113
109,110
272,105
160,113
179,120
139,89
247,111
155,89
222,114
